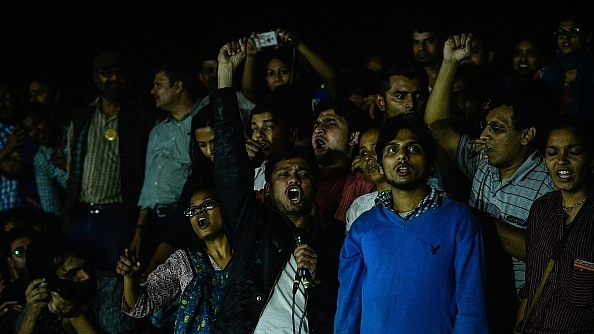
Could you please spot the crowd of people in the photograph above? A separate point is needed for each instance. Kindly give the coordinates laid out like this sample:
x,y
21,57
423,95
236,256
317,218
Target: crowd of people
x,y
263,189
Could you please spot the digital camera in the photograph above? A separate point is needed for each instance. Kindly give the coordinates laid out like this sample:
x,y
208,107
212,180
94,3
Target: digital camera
x,y
266,39
70,290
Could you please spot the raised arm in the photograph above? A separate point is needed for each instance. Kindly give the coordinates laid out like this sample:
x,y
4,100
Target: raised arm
x,y
317,62
233,170
438,108
249,75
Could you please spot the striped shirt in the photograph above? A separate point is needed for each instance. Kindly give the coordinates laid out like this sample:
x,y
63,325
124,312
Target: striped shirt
x,y
508,200
567,302
101,181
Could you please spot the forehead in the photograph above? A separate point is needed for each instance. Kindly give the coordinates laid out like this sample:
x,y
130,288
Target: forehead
x,y
72,263
210,63
199,196
20,241
161,77
525,45
423,35
564,135
404,136
34,85
501,114
265,117
568,23
204,132
369,137
276,63
296,163
405,84
329,114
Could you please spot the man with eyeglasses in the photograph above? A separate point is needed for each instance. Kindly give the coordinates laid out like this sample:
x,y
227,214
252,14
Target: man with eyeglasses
x,y
107,143
506,169
66,294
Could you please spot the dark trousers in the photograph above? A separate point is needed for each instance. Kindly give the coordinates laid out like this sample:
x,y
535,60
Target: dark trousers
x,y
102,231
155,227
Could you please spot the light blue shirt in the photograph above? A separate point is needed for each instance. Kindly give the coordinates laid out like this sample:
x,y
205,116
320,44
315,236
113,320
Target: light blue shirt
x,y
168,161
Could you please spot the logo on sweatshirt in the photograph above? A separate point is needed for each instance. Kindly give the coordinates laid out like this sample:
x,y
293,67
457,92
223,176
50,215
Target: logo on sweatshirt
x,y
434,249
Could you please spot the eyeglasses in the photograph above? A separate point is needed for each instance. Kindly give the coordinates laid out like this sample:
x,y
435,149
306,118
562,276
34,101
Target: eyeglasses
x,y
19,251
493,127
571,32
207,205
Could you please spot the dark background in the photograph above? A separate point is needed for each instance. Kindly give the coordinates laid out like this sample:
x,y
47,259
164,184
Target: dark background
x,y
64,37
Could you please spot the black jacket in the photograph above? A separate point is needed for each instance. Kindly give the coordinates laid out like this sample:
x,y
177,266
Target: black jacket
x,y
262,238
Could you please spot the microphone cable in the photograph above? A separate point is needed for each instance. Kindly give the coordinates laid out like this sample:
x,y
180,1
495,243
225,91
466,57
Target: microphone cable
x,y
303,316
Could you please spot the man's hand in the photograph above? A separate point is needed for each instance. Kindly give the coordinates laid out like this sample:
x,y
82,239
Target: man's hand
x,y
254,151
457,48
307,258
230,57
37,297
62,307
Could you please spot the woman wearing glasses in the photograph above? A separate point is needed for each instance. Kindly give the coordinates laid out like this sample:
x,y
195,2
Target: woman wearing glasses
x,y
572,69
197,275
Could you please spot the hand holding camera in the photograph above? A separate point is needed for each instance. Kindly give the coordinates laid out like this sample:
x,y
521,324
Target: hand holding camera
x,y
272,38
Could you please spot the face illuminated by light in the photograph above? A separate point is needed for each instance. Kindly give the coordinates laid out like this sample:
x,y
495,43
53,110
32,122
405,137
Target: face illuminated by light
x,y
404,164
205,139
277,73
206,215
292,187
270,132
567,160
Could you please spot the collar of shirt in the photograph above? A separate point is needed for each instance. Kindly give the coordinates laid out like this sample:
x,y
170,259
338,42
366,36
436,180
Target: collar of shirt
x,y
431,201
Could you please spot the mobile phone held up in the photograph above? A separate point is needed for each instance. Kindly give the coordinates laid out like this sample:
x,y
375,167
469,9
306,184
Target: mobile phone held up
x,y
265,39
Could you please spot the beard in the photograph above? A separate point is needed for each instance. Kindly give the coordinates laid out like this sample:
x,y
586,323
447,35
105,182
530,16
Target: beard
x,y
330,157
409,184
114,91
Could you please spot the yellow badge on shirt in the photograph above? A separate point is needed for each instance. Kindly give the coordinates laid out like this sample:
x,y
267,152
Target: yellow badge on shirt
x,y
110,134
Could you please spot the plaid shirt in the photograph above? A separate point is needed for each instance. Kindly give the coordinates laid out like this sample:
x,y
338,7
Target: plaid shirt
x,y
432,201
9,197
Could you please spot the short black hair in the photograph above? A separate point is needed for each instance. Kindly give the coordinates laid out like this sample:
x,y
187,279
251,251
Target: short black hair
x,y
279,107
48,252
401,67
534,104
291,152
389,130
355,117
581,125
13,234
176,70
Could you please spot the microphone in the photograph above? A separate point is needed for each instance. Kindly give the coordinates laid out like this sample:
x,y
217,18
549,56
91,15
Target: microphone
x,y
302,274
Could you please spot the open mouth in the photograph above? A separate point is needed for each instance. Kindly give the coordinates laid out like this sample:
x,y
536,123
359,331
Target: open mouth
x,y
373,168
564,174
403,170
203,222
294,194
319,143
